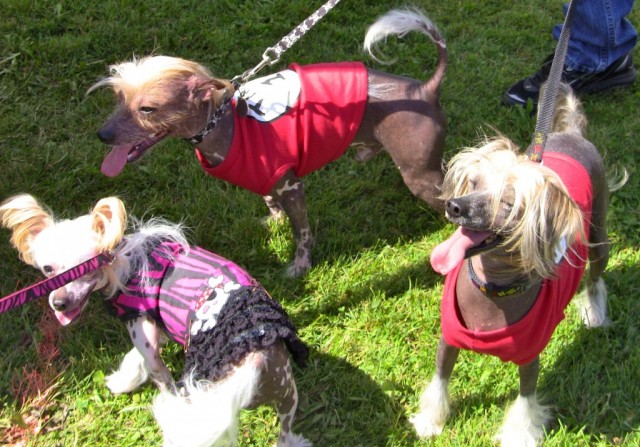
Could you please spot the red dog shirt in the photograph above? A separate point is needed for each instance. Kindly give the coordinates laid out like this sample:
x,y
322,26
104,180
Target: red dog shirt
x,y
522,341
301,119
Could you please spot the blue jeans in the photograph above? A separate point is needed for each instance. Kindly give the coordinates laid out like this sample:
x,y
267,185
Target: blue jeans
x,y
600,34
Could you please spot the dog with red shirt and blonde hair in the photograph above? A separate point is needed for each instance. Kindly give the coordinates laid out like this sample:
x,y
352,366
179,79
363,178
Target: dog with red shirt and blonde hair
x,y
526,232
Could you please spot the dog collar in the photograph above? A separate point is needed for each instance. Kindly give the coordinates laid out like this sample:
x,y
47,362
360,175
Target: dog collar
x,y
493,290
213,122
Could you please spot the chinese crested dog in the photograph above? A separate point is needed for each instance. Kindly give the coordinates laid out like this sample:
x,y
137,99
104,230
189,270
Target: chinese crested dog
x,y
267,134
238,341
526,232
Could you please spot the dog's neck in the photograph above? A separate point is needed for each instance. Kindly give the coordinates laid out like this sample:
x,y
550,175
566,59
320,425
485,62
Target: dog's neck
x,y
494,290
212,122
215,143
500,268
485,312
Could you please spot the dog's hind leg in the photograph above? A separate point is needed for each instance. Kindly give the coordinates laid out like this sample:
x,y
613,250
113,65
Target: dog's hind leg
x,y
592,302
275,210
434,403
288,193
365,153
278,386
415,143
524,422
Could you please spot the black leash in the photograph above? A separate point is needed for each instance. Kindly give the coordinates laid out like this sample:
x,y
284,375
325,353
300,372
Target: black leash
x,y
547,103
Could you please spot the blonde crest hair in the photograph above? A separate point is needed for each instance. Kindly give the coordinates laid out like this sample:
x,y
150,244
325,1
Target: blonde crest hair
x,y
542,219
157,76
25,217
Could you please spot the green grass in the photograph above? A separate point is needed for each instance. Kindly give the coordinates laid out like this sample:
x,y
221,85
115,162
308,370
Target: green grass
x,y
369,309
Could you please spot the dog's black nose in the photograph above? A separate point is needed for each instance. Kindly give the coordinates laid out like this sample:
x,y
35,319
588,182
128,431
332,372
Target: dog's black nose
x,y
453,208
106,136
59,305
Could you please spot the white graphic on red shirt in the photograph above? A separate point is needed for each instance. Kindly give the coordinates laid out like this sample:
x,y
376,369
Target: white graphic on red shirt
x,y
270,97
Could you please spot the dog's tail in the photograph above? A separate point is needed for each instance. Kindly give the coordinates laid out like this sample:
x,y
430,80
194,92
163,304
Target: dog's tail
x,y
400,22
569,115
207,413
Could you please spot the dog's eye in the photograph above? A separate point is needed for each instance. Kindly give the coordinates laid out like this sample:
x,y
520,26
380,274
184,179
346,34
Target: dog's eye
x,y
146,110
47,269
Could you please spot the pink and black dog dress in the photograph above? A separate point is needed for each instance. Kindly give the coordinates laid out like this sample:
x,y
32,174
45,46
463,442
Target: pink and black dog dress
x,y
208,304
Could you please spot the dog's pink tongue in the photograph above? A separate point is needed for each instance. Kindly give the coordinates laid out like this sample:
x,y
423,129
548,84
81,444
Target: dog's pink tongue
x,y
115,161
447,255
64,318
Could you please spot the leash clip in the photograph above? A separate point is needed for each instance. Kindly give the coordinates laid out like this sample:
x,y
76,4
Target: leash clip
x,y
269,57
111,255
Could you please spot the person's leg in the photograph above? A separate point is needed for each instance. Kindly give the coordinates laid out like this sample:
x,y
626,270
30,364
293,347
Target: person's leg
x,y
600,34
599,53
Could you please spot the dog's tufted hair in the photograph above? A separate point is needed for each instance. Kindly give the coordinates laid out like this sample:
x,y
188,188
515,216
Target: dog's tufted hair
x,y
532,209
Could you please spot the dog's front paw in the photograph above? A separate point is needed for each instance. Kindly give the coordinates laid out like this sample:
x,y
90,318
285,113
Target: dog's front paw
x,y
523,424
434,409
130,374
293,440
427,424
119,383
592,304
298,268
275,218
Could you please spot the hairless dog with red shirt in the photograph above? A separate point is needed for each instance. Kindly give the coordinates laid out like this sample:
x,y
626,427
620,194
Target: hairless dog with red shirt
x,y
270,132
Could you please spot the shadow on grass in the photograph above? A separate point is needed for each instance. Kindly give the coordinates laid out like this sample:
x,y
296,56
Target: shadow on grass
x,y
592,385
417,275
339,403
342,406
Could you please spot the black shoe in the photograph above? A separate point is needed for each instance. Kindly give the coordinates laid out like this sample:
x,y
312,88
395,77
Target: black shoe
x,y
621,73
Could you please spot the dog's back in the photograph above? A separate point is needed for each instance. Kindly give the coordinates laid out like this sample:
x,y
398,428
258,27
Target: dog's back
x,y
568,136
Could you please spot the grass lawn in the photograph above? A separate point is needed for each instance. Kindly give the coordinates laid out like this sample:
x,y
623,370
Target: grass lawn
x,y
369,308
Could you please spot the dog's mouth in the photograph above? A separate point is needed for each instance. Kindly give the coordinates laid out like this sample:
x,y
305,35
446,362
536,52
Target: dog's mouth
x,y
119,156
67,317
84,290
462,244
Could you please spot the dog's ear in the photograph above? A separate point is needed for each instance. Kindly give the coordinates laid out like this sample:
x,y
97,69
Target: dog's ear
x,y
25,217
211,90
553,222
109,222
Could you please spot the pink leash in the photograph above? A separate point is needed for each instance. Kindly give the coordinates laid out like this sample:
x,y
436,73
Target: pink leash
x,y
48,285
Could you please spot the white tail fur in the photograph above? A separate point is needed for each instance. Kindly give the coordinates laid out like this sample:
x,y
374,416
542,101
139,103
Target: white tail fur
x,y
569,115
209,415
400,23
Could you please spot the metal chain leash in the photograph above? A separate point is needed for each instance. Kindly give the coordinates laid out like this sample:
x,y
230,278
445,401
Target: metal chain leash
x,y
272,54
